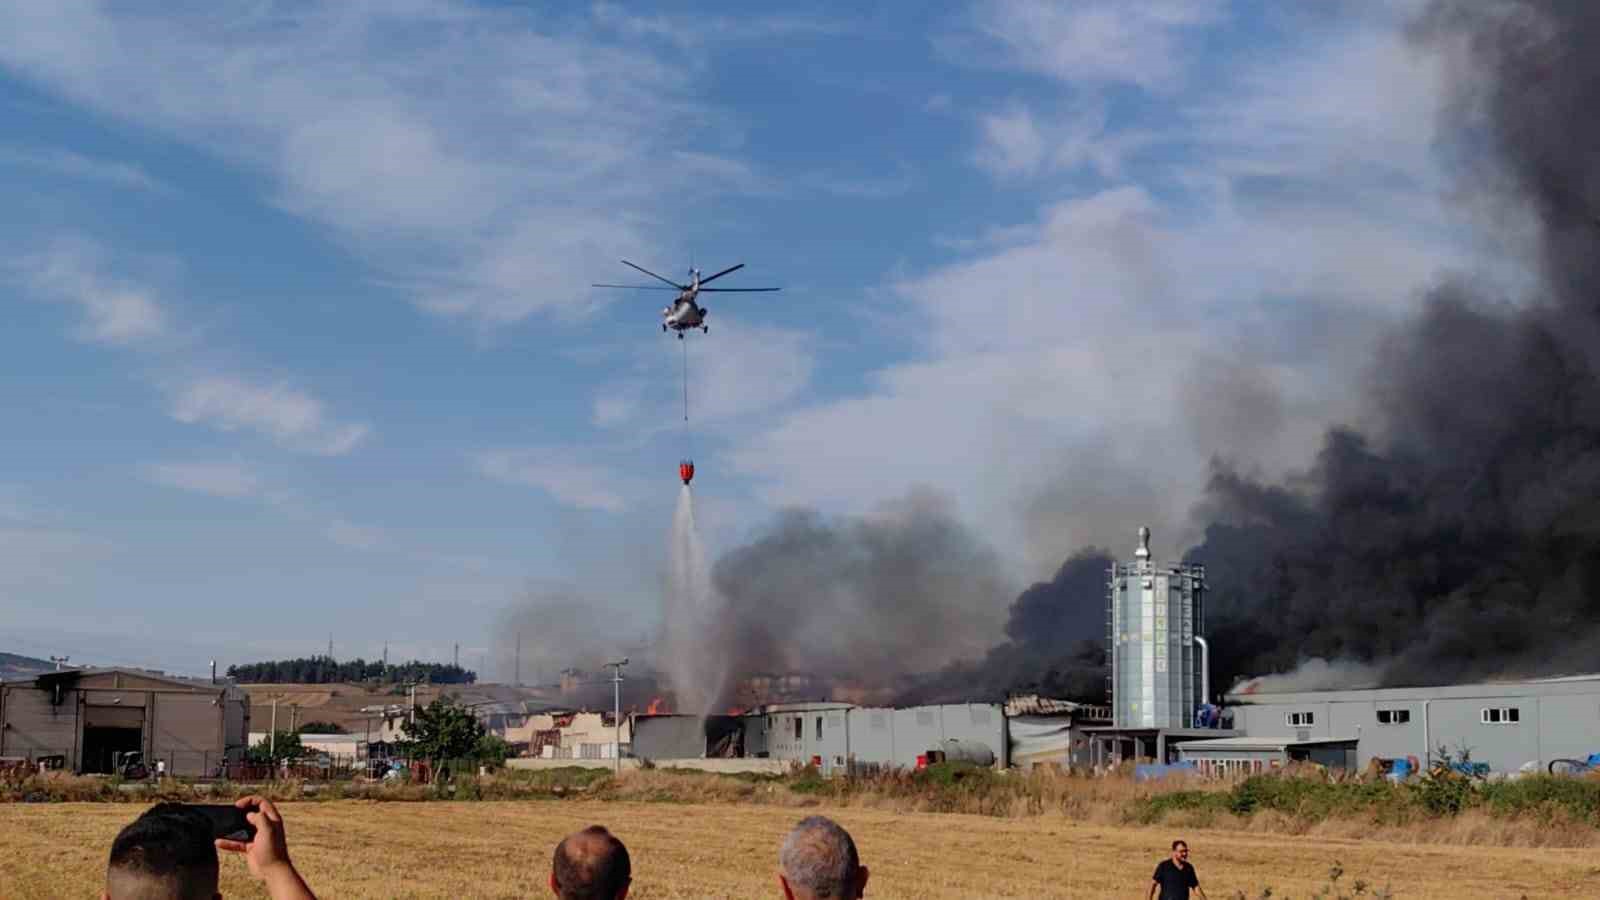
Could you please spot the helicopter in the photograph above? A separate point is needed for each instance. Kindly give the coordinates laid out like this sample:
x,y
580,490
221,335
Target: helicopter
x,y
684,313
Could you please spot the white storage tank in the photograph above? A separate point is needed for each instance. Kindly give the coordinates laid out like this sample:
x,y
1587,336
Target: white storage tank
x,y
1153,615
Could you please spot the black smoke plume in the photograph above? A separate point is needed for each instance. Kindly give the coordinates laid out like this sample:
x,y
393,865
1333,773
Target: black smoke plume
x,y
1460,539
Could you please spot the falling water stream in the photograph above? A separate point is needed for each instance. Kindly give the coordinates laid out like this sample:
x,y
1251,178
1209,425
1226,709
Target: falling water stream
x,y
693,665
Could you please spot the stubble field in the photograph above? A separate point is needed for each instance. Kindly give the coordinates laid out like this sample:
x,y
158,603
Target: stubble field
x,y
394,850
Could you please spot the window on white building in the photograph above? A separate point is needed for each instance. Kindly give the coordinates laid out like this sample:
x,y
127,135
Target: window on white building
x,y
1394,716
1501,715
1299,719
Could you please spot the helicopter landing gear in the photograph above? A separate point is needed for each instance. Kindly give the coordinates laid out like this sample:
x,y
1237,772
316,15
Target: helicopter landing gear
x,y
680,335
705,329
663,328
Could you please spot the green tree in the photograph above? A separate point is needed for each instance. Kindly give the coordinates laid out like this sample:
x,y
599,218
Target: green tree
x,y
321,728
285,748
443,730
492,748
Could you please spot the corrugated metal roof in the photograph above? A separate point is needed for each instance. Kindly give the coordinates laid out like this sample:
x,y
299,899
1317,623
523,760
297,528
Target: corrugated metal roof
x,y
1524,687
177,680
1035,705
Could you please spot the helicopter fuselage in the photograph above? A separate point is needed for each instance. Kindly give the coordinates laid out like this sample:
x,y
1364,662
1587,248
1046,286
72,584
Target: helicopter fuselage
x,y
684,313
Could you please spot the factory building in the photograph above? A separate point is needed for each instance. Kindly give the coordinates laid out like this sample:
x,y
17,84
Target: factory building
x,y
835,737
87,720
1509,726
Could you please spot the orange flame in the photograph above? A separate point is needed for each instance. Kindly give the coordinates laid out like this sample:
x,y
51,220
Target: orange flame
x,y
657,707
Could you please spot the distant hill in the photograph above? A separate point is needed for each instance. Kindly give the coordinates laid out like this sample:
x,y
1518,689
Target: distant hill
x,y
13,665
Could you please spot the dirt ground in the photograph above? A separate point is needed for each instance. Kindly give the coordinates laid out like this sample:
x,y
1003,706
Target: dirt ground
x,y
392,850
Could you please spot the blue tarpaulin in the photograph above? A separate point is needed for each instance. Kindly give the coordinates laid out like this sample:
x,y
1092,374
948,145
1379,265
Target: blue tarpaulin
x,y
1153,771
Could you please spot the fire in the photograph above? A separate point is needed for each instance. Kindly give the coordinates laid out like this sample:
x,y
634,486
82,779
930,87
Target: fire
x,y
657,706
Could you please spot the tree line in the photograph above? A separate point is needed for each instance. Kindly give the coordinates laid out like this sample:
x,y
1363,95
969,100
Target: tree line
x,y
326,670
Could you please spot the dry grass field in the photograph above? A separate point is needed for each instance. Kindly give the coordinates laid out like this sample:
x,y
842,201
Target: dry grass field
x,y
394,850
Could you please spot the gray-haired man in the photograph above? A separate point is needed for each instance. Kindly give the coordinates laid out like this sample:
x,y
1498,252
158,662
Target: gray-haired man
x,y
819,862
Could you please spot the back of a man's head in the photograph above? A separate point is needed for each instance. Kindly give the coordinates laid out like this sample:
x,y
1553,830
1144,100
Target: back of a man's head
x,y
819,862
591,865
165,854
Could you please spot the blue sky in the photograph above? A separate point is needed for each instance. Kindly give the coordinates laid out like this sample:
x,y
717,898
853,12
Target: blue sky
x,y
300,339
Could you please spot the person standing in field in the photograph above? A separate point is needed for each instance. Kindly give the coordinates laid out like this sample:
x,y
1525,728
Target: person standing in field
x,y
819,862
1175,876
591,865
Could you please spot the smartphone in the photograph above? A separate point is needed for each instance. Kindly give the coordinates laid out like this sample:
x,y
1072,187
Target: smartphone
x,y
227,821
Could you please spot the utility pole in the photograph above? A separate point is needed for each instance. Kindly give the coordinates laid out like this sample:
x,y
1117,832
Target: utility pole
x,y
59,660
330,645
616,710
294,718
272,735
458,656
518,679
412,688
386,657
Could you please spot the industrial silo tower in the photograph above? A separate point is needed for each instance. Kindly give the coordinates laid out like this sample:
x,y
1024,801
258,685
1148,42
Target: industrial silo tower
x,y
1154,618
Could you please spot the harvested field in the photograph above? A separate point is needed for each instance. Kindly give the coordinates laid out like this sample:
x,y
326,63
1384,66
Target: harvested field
x,y
366,849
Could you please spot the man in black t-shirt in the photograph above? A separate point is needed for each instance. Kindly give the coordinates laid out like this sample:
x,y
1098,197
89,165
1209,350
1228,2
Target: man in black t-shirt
x,y
1174,877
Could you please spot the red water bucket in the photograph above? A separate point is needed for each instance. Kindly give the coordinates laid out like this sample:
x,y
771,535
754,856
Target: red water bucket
x,y
922,760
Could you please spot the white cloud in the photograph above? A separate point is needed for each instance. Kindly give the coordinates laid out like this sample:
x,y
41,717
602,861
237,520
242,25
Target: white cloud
x,y
1012,144
1077,373
352,536
75,165
482,159
12,507
73,270
292,418
561,473
697,31
746,370
231,480
1094,40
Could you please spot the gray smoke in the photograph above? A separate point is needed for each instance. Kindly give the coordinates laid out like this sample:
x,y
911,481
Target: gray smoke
x,y
1460,537
870,601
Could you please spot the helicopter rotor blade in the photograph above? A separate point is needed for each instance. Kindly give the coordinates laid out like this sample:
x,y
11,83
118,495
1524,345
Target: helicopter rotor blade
x,y
636,287
722,273
737,290
681,287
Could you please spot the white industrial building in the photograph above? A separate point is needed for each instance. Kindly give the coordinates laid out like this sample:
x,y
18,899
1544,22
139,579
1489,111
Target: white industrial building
x,y
1509,726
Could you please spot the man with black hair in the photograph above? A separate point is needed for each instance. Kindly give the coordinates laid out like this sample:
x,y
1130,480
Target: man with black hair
x,y
165,854
1175,877
169,853
591,865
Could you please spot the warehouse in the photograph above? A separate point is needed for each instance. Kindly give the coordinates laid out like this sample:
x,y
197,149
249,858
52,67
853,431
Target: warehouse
x,y
87,720
1509,726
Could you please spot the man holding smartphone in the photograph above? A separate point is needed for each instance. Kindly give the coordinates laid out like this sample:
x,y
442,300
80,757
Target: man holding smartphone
x,y
170,852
